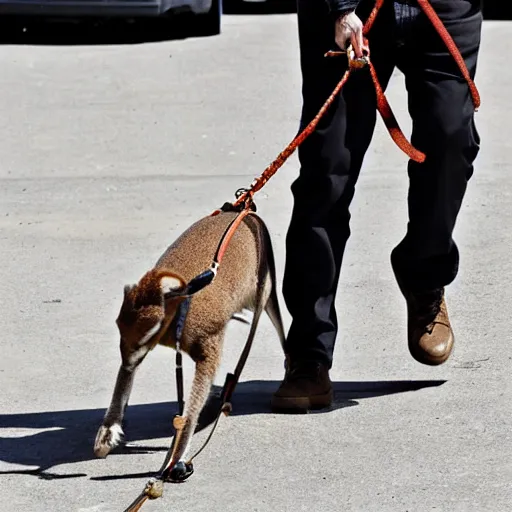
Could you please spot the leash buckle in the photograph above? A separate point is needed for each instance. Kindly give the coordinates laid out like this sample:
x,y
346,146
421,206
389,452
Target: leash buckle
x,y
358,62
245,204
354,62
154,488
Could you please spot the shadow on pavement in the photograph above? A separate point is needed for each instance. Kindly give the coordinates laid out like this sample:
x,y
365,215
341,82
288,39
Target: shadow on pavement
x,y
72,439
26,31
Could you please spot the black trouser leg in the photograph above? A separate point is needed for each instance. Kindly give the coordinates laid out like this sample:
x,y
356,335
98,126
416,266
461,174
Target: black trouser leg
x,y
330,160
442,111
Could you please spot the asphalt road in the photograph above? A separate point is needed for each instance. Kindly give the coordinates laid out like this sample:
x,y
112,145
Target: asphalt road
x,y
107,153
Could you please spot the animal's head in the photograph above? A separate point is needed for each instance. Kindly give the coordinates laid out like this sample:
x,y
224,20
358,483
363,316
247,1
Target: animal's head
x,y
145,310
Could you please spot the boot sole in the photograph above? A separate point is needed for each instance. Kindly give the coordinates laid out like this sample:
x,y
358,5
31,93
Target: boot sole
x,y
417,354
301,404
422,357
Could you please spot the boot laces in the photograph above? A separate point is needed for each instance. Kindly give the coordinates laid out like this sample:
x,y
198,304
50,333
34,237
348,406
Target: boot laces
x,y
428,305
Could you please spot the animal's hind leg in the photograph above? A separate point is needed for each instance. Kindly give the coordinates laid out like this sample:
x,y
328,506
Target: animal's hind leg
x,y
261,299
205,371
111,433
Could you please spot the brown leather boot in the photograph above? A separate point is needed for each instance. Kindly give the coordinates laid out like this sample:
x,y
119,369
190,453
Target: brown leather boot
x,y
306,386
429,331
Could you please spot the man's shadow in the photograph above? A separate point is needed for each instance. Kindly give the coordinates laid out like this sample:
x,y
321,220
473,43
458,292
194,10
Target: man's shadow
x,y
72,439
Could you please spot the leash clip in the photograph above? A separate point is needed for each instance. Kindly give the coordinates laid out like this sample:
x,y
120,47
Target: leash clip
x,y
354,62
358,62
244,201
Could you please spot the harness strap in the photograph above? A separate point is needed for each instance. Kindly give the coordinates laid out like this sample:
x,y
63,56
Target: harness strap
x,y
205,278
224,409
180,324
228,235
181,317
230,386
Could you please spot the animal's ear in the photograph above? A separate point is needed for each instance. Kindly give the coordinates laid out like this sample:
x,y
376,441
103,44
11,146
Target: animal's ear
x,y
171,285
128,288
127,311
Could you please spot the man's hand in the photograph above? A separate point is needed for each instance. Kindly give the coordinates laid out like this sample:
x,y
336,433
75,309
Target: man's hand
x,y
349,27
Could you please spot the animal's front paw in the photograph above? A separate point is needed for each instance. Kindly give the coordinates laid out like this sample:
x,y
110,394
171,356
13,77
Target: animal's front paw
x,y
180,472
107,439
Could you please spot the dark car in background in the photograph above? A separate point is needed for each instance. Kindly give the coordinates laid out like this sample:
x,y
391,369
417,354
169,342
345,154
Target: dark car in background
x,y
205,14
497,9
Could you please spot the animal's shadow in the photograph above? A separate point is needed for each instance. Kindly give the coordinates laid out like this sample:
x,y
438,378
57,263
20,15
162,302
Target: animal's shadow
x,y
74,430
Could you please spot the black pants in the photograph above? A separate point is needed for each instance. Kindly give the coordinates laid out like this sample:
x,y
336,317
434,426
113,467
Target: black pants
x,y
442,111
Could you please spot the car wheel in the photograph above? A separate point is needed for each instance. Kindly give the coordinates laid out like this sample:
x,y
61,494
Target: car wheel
x,y
209,24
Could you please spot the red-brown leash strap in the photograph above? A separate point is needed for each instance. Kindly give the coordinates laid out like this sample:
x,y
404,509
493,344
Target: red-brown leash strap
x,y
228,235
391,123
244,203
445,36
373,15
452,48
259,182
382,103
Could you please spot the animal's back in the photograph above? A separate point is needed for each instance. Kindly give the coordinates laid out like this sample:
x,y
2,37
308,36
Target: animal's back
x,y
237,279
193,251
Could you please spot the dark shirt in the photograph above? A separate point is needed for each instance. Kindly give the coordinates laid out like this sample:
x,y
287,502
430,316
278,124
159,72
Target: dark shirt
x,y
341,6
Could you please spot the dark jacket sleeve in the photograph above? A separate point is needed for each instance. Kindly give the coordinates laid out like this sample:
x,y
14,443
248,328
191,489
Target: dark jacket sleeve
x,y
341,6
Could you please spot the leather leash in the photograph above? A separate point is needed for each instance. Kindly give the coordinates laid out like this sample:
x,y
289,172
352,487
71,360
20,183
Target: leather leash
x,y
382,104
244,205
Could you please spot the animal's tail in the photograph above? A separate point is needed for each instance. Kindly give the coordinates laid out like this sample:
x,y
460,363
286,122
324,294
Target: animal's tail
x,y
266,296
274,313
268,279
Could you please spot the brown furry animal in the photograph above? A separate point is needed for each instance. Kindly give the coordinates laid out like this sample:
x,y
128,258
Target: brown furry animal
x,y
245,280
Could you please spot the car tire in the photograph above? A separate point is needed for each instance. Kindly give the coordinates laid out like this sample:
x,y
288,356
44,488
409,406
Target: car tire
x,y
209,24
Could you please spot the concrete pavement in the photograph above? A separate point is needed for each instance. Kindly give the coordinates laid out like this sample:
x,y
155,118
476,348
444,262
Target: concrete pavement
x,y
107,153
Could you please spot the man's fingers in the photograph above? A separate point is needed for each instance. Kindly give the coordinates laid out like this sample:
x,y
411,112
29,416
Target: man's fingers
x,y
345,41
341,41
341,37
357,43
349,28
